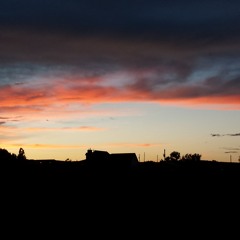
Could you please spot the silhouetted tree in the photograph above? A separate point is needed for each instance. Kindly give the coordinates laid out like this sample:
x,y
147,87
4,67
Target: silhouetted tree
x,y
21,154
5,155
14,156
191,157
196,157
175,156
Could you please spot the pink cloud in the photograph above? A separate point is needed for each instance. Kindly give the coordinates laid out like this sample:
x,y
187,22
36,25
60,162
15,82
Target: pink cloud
x,y
21,99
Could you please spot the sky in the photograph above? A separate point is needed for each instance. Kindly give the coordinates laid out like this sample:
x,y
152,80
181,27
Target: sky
x,y
120,76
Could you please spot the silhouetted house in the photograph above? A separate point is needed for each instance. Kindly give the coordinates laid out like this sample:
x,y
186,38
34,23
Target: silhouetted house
x,y
96,155
120,159
124,159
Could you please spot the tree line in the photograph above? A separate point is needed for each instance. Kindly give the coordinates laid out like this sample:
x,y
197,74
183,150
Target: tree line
x,y
6,155
176,156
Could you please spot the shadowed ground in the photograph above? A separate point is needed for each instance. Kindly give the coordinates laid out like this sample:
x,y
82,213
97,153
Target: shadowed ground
x,y
120,200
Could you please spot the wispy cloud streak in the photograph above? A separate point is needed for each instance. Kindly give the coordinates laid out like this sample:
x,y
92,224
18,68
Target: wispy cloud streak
x,y
223,135
81,128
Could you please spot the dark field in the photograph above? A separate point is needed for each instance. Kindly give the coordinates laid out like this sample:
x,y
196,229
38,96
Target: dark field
x,y
118,199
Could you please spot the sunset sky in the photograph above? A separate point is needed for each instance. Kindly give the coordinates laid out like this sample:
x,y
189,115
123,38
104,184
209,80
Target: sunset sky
x,y
121,76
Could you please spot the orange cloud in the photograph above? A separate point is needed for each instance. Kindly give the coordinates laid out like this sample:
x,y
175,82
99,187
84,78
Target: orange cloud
x,y
44,146
55,95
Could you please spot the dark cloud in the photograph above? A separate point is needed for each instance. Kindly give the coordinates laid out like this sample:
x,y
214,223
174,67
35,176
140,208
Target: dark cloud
x,y
228,86
151,17
234,134
4,120
42,41
218,85
216,135
229,134
232,152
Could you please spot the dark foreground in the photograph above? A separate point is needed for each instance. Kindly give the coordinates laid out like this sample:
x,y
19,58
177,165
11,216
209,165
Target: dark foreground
x,y
146,177
117,201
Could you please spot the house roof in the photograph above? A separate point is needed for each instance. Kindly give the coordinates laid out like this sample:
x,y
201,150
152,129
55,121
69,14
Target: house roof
x,y
122,156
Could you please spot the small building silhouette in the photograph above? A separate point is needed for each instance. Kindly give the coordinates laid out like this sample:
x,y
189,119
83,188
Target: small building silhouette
x,y
121,159
96,155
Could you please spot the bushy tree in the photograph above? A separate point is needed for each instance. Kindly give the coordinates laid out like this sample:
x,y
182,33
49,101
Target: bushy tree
x,y
174,156
191,157
21,154
5,155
